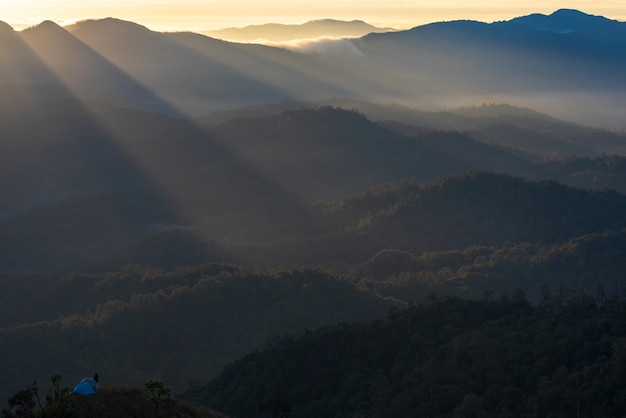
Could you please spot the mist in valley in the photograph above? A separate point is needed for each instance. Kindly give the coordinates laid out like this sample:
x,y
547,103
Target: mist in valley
x,y
172,202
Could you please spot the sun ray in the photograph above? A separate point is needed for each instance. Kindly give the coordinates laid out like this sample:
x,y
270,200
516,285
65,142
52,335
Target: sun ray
x,y
189,174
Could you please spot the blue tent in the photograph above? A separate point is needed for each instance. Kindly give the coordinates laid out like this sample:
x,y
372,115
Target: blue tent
x,y
87,386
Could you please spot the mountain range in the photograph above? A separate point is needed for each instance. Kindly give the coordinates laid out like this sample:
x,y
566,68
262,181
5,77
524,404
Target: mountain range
x,y
275,32
71,173
172,202
569,64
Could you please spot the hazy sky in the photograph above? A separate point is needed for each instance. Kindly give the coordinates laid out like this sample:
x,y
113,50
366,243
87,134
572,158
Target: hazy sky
x,y
198,15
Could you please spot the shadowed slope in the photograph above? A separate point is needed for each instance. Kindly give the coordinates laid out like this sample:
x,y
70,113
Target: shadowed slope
x,y
444,358
573,75
85,73
329,153
59,163
295,75
124,402
20,71
127,173
87,192
186,77
503,57
177,326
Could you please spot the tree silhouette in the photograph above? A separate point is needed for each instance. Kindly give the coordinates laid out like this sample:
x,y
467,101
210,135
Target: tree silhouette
x,y
276,408
22,404
161,396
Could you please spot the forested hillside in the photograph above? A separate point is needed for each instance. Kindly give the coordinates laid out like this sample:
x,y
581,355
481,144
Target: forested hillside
x,y
592,173
117,181
172,202
177,318
187,323
177,326
515,128
445,358
591,263
450,214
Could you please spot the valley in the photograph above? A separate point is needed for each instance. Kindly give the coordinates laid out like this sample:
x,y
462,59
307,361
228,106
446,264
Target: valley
x,y
188,209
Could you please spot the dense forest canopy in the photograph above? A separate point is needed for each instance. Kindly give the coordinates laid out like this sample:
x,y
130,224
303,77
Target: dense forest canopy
x,y
176,326
445,358
231,220
142,287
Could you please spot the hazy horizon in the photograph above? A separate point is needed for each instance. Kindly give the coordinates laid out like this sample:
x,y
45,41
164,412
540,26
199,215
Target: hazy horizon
x,y
201,16
173,201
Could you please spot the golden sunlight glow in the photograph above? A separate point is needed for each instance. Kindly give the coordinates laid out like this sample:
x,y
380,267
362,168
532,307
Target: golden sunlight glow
x,y
190,15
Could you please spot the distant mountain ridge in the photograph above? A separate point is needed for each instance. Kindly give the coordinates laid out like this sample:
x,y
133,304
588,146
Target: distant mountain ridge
x,y
566,21
575,74
143,239
277,32
516,58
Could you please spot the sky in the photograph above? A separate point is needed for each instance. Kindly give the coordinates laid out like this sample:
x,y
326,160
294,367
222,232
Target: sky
x,y
204,15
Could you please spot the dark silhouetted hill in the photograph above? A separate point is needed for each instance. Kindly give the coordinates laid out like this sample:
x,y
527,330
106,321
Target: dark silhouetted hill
x,y
592,173
453,213
124,402
393,244
217,74
446,357
523,129
328,153
574,74
175,326
589,264
568,21
464,58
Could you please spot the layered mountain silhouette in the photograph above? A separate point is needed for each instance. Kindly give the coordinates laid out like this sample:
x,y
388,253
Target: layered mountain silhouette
x,y
510,58
570,21
462,234
82,183
166,210
281,32
569,63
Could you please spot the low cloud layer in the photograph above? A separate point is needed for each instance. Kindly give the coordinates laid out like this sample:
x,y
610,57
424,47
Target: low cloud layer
x,y
323,45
